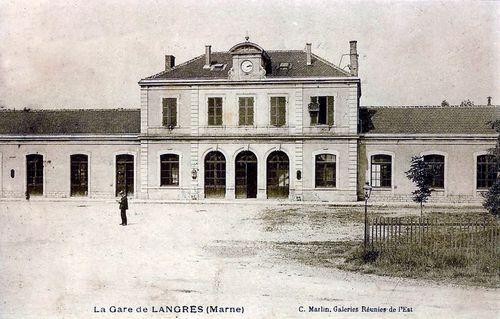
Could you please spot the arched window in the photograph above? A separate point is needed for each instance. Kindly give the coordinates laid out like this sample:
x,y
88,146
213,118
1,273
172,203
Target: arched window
x,y
381,170
486,171
169,170
326,173
278,175
435,163
215,175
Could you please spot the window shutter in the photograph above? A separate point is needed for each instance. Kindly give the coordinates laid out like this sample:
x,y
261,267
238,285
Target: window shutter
x,y
173,112
164,112
282,111
329,110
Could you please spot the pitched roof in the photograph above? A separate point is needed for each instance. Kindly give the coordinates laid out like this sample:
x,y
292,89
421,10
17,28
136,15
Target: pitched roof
x,y
80,121
193,69
429,120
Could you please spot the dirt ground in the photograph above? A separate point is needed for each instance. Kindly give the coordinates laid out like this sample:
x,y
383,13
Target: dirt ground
x,y
69,259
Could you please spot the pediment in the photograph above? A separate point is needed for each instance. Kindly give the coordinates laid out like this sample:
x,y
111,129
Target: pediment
x,y
246,48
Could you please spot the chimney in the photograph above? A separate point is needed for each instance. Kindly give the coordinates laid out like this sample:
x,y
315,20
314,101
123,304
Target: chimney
x,y
354,58
169,62
208,56
309,54
489,100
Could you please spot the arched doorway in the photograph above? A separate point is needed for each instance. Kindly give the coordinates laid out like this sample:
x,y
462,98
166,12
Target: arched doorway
x,y
124,174
215,175
278,175
246,175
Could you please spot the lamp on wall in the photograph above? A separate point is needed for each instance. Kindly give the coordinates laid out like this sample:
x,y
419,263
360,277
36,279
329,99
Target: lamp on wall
x,y
194,173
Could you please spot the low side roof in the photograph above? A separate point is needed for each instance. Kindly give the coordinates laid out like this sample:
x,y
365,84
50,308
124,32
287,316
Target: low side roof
x,y
81,121
429,120
193,69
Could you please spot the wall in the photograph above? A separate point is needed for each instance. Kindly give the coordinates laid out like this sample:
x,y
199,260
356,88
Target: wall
x,y
460,166
56,156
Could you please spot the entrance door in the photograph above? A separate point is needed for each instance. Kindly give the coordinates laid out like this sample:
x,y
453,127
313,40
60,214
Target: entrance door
x,y
79,175
124,174
215,175
34,174
246,175
278,176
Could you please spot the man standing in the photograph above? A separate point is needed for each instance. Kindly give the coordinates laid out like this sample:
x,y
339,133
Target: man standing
x,y
123,208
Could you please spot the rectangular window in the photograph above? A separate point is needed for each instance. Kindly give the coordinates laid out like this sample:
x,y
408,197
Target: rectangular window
x,y
214,111
79,174
325,110
486,171
325,170
169,170
246,110
278,111
381,171
169,112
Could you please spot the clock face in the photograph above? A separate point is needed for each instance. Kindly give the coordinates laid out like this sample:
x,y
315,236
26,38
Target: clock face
x,y
246,66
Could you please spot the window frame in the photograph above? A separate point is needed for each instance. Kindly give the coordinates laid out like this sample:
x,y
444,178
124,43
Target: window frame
x,y
443,188
88,172
215,124
246,108
276,116
315,120
325,164
391,166
158,167
313,165
477,163
164,122
171,164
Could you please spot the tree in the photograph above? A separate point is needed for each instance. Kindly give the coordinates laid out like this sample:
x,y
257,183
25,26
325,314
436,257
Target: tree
x,y
420,174
492,196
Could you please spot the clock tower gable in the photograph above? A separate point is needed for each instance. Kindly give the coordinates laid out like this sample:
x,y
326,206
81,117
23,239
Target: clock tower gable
x,y
249,62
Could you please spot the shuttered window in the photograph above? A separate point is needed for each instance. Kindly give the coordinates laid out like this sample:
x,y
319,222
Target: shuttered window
x,y
246,107
214,111
169,112
278,111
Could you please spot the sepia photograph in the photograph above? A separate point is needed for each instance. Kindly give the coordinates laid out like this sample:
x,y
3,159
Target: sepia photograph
x,y
249,159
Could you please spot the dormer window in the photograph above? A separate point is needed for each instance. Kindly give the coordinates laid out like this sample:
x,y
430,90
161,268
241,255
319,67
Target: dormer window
x,y
285,66
218,67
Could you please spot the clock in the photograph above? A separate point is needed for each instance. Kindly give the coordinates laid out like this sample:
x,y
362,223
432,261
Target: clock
x,y
247,66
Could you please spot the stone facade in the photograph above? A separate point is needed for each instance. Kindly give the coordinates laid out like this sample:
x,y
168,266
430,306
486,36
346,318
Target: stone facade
x,y
155,160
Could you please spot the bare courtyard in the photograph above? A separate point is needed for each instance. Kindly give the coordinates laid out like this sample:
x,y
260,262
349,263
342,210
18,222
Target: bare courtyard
x,y
71,259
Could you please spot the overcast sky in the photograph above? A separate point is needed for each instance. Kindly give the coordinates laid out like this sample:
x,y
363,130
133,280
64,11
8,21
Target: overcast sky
x,y
59,54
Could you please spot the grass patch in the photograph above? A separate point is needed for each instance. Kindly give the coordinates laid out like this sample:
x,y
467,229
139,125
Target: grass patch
x,y
477,266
